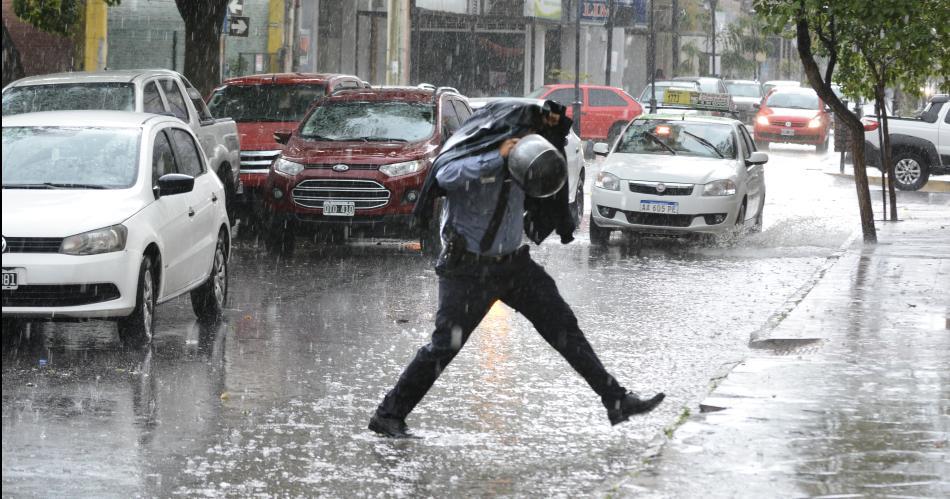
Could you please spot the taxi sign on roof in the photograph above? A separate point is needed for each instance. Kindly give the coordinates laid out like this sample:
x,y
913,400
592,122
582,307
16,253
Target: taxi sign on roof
x,y
697,100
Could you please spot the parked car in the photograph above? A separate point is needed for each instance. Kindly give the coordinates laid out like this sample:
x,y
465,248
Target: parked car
x,y
771,84
576,166
661,87
604,110
920,146
679,176
107,214
747,95
357,161
793,115
157,91
262,104
710,84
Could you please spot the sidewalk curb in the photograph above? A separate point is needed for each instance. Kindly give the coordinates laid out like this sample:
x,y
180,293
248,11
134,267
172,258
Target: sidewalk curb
x,y
930,187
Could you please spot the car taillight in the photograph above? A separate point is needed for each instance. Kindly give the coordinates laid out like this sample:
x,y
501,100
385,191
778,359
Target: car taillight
x,y
869,124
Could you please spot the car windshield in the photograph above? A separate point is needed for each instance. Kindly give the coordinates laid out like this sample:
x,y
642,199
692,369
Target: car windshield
x,y
70,157
257,103
793,100
744,89
537,93
370,121
661,89
66,97
681,138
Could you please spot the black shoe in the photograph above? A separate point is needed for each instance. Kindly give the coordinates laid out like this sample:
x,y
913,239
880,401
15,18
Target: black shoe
x,y
631,405
389,427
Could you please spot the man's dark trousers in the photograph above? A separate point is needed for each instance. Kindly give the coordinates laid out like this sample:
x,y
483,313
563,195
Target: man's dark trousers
x,y
466,293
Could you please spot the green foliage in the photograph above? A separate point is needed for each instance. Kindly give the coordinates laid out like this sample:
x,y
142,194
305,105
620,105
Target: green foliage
x,y
59,17
742,40
562,75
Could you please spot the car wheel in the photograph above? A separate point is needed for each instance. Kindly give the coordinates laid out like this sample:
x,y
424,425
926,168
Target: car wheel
x,y
598,236
740,217
209,299
230,192
577,207
910,171
757,225
137,329
431,238
614,132
823,147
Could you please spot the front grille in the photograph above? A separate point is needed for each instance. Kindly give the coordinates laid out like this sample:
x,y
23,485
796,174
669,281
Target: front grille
x,y
811,139
794,124
365,194
33,244
668,189
59,295
329,166
257,160
657,219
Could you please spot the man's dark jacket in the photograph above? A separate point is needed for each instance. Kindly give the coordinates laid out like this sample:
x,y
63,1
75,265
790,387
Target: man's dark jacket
x,y
484,131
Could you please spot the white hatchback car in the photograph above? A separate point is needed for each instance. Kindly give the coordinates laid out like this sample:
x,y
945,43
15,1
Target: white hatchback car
x,y
678,176
107,214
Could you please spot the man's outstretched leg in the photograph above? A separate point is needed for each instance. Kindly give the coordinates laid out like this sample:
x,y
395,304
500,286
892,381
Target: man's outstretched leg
x,y
463,302
534,294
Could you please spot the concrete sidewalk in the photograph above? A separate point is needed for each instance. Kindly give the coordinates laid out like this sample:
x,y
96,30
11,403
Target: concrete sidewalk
x,y
846,392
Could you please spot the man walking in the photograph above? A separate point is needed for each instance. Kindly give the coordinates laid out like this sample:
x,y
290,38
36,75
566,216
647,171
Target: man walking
x,y
483,260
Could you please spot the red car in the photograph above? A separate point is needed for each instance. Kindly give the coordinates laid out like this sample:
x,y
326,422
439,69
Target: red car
x,y
793,115
262,104
357,161
604,110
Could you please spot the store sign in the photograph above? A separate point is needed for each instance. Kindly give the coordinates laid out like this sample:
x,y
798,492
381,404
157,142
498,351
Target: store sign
x,y
626,12
543,9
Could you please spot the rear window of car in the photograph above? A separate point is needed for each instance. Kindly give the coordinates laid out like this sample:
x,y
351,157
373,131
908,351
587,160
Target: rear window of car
x,y
682,138
792,100
384,121
601,97
265,103
744,89
69,97
70,157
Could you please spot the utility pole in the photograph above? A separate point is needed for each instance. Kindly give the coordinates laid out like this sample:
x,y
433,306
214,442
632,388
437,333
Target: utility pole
x,y
577,68
397,43
674,25
712,8
610,40
652,48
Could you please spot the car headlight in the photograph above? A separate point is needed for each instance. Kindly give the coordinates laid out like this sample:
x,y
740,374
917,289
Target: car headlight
x,y
815,122
96,241
607,181
762,120
288,167
405,168
720,188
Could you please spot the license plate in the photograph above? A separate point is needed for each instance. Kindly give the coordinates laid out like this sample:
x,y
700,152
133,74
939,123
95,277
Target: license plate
x,y
339,208
9,280
788,132
663,207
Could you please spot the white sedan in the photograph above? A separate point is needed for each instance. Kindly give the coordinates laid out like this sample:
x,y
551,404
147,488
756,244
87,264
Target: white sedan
x,y
107,214
681,175
575,157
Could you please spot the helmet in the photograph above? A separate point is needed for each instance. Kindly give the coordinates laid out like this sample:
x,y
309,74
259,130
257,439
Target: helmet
x,y
537,166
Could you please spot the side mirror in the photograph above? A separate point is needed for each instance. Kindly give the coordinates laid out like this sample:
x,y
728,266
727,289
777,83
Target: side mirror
x,y
757,158
601,149
174,183
756,105
282,136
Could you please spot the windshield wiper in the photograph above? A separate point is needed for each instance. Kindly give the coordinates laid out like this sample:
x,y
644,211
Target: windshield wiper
x,y
705,143
54,185
660,141
27,186
319,137
372,138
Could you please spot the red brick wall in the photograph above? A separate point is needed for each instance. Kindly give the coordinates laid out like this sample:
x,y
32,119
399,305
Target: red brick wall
x,y
40,52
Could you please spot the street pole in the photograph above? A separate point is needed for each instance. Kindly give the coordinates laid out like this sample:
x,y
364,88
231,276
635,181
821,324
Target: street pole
x,y
577,69
712,5
652,60
610,39
674,25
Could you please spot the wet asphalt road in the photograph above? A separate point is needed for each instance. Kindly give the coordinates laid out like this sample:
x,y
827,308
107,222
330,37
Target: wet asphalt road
x,y
274,401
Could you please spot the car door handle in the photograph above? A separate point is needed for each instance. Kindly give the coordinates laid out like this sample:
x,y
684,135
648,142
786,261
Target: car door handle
x,y
214,198
191,211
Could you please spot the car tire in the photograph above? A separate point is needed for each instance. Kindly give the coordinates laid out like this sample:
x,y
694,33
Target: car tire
x,y
823,147
757,225
598,236
209,299
431,238
614,132
138,328
577,207
910,171
230,192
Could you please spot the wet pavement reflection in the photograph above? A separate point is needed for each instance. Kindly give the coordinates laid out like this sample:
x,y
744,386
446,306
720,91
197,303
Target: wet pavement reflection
x,y
275,399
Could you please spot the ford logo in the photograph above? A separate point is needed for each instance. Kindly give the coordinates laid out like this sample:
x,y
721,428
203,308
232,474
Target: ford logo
x,y
340,168
661,188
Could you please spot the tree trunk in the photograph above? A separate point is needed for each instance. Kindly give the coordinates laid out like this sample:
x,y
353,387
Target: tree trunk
x,y
855,127
886,163
203,24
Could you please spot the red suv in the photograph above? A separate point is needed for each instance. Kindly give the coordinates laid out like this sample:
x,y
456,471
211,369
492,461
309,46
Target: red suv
x,y
357,161
794,115
262,104
604,110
